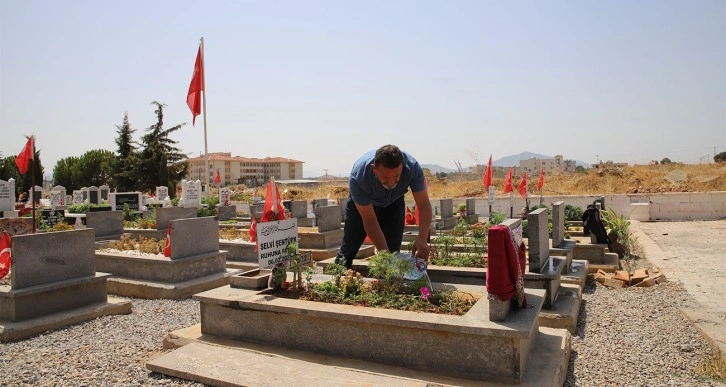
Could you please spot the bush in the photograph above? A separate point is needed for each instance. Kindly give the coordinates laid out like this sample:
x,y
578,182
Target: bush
x,y
573,212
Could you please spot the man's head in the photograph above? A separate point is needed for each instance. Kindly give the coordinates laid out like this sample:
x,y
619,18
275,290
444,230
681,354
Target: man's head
x,y
388,165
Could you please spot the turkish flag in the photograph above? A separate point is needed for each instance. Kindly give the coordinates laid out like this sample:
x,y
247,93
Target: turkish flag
x,y
274,209
167,248
25,156
410,219
508,182
217,179
523,186
5,255
488,174
253,231
540,181
194,95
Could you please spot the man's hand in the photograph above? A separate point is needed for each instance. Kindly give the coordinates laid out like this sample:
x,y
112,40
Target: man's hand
x,y
421,249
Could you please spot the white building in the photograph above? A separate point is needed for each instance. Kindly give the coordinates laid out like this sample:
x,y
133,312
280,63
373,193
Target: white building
x,y
555,165
243,170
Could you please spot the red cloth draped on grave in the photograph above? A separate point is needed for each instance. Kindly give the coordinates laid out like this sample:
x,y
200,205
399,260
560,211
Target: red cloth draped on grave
x,y
505,266
5,255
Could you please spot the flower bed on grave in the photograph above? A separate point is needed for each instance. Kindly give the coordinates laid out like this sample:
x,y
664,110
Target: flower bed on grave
x,y
387,289
465,247
142,246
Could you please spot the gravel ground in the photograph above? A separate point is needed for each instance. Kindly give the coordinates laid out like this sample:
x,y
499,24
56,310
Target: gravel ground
x,y
625,337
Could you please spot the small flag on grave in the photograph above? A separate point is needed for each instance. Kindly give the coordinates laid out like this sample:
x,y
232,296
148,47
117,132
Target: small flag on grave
x,y
5,255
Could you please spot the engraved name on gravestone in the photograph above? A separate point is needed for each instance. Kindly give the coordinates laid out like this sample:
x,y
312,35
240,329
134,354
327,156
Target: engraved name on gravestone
x,y
162,192
62,190
77,196
7,195
224,195
52,217
191,193
56,199
118,199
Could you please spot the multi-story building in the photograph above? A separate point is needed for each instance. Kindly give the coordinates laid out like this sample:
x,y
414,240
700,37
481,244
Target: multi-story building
x,y
555,165
243,170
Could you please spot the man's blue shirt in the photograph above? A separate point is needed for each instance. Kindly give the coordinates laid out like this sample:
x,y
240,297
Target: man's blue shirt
x,y
365,188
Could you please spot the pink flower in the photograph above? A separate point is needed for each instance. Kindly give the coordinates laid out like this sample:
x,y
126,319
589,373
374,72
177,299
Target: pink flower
x,y
425,293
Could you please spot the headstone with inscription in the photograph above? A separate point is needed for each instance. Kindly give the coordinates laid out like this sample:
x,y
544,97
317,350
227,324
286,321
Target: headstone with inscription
x,y
118,199
56,199
77,196
103,191
224,195
162,192
191,193
7,195
62,190
52,217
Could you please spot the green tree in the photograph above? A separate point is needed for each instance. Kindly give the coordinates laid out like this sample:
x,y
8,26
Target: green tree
x,y
67,172
665,161
97,167
720,158
580,169
160,163
127,157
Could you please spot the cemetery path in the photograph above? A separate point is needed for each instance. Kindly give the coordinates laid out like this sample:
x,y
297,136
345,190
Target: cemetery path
x,y
693,253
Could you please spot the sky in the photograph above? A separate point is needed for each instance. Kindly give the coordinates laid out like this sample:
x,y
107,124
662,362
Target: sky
x,y
325,81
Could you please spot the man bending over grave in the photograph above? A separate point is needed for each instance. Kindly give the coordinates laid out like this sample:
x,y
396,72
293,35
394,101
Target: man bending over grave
x,y
376,207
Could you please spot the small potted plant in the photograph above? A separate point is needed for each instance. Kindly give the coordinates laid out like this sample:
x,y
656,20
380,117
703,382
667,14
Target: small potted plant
x,y
462,209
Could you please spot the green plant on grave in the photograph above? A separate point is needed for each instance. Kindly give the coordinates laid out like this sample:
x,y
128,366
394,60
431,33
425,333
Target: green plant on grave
x,y
620,225
443,246
295,258
461,228
128,214
209,206
351,283
495,218
336,270
308,272
389,269
479,230
573,212
461,207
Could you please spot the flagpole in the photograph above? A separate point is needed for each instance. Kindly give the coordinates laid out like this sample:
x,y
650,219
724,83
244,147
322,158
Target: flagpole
x,y
204,111
32,178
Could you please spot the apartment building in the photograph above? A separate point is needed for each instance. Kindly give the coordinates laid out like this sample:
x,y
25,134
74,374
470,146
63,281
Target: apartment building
x,y
555,165
243,170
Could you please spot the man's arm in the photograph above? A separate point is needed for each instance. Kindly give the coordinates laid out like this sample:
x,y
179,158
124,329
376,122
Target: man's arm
x,y
421,247
373,229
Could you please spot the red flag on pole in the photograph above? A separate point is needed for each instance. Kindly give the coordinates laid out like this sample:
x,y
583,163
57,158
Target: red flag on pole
x,y
194,95
508,182
540,181
523,186
217,179
25,156
274,209
5,255
167,247
488,174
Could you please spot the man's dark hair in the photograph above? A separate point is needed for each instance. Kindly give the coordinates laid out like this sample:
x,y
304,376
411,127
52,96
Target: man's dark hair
x,y
389,156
